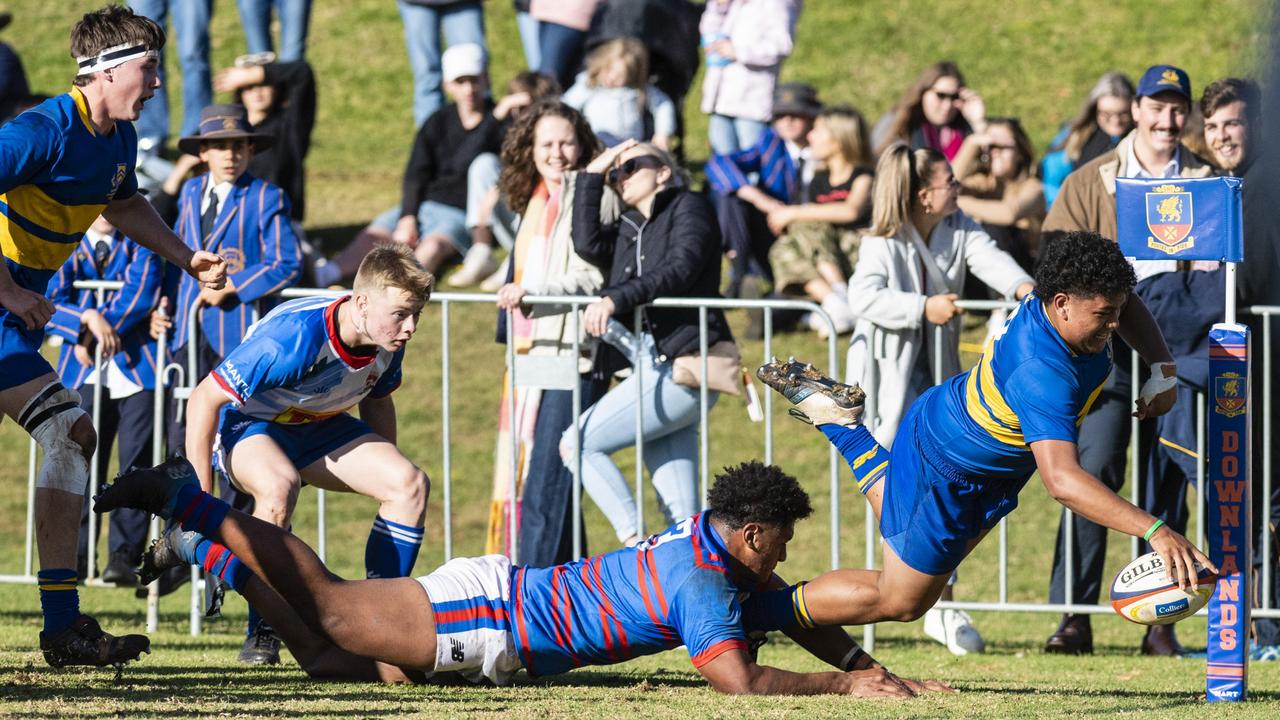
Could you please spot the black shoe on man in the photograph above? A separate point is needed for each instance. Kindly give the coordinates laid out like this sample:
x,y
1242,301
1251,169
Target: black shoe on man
x,y
84,643
120,569
1074,636
262,647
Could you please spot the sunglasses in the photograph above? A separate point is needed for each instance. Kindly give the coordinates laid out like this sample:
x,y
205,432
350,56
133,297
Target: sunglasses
x,y
946,97
629,167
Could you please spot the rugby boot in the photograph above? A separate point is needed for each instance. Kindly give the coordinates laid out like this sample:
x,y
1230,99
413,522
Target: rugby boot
x,y
84,643
1162,641
1074,636
261,647
818,399
174,548
154,489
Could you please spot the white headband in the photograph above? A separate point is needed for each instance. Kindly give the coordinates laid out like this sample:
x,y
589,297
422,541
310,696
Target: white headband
x,y
113,56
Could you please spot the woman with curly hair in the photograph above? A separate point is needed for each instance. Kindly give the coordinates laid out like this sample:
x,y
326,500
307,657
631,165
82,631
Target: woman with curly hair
x,y
541,154
937,111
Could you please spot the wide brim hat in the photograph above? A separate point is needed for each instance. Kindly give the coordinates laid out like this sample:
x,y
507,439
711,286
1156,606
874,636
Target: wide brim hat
x,y
224,122
795,98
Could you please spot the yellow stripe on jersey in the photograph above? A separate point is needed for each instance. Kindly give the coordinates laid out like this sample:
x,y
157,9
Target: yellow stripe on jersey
x,y
82,109
1088,404
32,204
981,393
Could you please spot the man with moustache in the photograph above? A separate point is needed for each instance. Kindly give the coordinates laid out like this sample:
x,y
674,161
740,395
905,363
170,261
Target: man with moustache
x,y
1087,201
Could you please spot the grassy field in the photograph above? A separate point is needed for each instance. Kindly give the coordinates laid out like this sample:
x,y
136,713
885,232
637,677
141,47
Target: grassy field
x,y
1032,59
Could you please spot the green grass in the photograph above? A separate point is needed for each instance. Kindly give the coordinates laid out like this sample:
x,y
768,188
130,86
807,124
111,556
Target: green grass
x,y
1032,59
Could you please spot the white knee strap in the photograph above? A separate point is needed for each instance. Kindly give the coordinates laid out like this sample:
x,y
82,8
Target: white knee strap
x,y
48,417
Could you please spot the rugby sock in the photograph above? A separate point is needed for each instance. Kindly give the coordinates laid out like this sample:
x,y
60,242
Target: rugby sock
x,y
254,618
217,559
866,458
198,510
776,610
392,549
59,600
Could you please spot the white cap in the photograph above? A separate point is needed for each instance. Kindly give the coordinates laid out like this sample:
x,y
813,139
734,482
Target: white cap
x,y
465,60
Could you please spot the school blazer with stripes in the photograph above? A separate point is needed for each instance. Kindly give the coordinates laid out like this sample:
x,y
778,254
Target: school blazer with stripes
x,y
255,237
126,309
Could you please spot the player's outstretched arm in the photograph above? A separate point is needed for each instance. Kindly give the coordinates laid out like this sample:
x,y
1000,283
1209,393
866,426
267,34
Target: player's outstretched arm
x,y
135,217
1069,484
734,672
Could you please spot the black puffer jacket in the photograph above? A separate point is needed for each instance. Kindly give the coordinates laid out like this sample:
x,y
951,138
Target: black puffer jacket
x,y
675,253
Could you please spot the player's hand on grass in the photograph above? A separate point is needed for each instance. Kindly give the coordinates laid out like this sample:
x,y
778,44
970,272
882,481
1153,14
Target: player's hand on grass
x,y
32,308
939,309
209,269
877,682
1159,392
1179,556
920,687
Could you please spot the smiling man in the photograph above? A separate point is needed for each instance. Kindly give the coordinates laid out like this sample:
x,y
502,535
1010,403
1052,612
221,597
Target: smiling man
x,y
1087,201
967,446
484,619
62,164
274,414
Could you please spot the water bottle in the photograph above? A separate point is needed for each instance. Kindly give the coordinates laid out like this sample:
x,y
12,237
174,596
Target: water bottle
x,y
617,335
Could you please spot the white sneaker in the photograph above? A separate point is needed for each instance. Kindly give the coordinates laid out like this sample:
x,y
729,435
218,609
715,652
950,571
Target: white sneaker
x,y
954,628
494,282
477,265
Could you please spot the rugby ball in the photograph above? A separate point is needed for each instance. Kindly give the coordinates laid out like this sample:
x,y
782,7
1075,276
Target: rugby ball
x,y
1143,594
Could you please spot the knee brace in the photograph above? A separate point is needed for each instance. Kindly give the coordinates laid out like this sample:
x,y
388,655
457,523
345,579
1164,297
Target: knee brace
x,y
48,417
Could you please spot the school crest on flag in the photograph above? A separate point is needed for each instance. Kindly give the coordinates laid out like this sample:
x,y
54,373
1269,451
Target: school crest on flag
x,y
1170,217
1229,394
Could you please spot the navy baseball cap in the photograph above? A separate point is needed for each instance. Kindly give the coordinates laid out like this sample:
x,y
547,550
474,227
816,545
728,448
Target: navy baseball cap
x,y
1164,78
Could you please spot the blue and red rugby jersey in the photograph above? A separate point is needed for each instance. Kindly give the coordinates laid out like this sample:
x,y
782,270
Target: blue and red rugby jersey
x,y
671,590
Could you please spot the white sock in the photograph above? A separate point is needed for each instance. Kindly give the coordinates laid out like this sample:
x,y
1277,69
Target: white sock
x,y
477,255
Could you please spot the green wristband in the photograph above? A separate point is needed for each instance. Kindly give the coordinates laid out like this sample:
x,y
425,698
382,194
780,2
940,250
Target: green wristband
x,y
1146,537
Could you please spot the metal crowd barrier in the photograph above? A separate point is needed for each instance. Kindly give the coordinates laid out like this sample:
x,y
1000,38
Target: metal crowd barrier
x,y
1137,473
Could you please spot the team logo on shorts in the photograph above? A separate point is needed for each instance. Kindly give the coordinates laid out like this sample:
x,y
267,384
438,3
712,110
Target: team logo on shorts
x,y
1169,218
1230,394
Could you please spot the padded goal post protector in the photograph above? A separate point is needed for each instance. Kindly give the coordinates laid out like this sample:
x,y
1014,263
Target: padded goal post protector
x,y
1229,515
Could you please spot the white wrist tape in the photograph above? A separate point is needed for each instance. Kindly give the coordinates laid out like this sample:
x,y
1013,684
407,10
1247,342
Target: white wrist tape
x,y
1158,383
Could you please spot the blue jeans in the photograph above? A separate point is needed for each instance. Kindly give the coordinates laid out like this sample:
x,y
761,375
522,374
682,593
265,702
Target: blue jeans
x,y
670,414
729,134
528,26
191,23
295,16
560,52
546,505
463,23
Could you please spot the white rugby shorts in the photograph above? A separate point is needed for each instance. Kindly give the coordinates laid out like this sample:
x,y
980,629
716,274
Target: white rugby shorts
x,y
469,597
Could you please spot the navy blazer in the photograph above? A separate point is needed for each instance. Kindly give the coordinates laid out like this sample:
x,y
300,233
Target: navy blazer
x,y
768,157
126,309
254,234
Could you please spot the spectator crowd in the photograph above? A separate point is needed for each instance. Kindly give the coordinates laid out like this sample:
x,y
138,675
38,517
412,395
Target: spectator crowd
x,y
573,180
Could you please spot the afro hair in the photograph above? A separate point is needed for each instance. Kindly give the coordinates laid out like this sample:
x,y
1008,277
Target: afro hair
x,y
1084,264
757,493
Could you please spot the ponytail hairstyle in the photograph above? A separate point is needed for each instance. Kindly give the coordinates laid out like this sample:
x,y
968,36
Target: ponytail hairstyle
x,y
900,175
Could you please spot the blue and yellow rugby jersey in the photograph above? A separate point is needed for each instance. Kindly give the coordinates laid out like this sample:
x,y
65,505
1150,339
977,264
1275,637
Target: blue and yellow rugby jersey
x,y
56,176
1027,386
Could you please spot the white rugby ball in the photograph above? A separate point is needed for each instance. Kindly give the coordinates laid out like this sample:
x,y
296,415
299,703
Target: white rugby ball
x,y
1144,594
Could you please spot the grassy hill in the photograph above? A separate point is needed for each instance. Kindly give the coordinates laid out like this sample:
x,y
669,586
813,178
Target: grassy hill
x,y
1030,59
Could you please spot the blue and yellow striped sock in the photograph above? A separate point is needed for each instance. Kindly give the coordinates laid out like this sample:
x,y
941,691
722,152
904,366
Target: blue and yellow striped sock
x,y
866,458
777,610
59,599
392,549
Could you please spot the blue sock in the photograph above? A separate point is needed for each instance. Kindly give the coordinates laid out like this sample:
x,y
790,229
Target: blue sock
x,y
776,610
392,549
59,600
866,458
219,560
254,618
198,510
